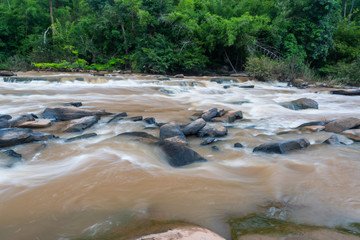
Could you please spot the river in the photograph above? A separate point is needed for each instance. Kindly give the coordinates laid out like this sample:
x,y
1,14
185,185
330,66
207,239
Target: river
x,y
82,188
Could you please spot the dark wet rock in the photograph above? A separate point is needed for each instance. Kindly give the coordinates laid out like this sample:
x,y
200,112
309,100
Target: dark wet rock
x,y
5,124
346,92
179,76
15,136
332,140
166,91
211,113
317,123
238,145
163,79
178,155
219,131
209,141
224,80
353,134
135,119
194,127
177,140
141,137
117,117
234,115
74,104
5,73
299,104
150,120
246,86
78,125
5,117
340,125
226,86
9,158
66,113
215,149
283,147
84,136
98,74
170,130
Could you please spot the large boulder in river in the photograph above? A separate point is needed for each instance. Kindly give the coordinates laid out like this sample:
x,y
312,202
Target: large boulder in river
x,y
15,136
340,125
194,127
9,158
219,131
78,125
178,155
300,104
5,117
171,130
66,113
283,147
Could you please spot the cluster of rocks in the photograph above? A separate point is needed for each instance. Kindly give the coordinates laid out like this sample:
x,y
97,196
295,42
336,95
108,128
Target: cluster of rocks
x,y
172,137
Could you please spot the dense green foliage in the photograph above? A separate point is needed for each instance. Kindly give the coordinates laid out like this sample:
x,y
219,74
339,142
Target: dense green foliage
x,y
192,36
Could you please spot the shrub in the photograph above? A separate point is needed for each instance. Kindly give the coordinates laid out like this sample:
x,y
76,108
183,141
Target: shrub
x,y
264,68
344,73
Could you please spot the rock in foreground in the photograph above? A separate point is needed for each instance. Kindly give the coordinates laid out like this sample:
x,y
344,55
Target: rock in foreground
x,y
194,127
78,125
353,134
300,104
283,147
15,136
66,113
346,92
9,158
340,125
184,233
170,130
179,155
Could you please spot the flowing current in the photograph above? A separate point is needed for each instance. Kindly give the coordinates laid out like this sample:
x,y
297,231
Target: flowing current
x,y
65,190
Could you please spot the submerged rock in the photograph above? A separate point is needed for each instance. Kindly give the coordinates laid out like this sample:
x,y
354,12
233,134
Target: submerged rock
x,y
74,104
135,119
300,104
313,128
238,145
150,120
5,73
332,140
283,147
179,76
178,155
194,127
15,136
9,158
78,125
66,113
340,125
141,137
317,123
117,117
21,119
84,136
209,141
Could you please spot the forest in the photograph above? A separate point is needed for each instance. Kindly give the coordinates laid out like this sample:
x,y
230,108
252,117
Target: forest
x,y
280,39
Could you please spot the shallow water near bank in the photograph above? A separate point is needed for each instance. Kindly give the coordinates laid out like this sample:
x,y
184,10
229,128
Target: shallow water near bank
x,y
82,188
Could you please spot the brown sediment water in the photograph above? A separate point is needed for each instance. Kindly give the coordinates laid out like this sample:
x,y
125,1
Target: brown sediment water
x,y
69,189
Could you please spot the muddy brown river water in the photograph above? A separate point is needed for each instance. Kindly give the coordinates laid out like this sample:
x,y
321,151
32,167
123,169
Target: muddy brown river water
x,y
82,188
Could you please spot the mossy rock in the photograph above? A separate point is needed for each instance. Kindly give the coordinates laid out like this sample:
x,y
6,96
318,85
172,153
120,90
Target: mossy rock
x,y
271,228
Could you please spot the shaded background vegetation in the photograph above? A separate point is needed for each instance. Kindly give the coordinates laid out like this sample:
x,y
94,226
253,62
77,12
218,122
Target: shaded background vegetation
x,y
189,36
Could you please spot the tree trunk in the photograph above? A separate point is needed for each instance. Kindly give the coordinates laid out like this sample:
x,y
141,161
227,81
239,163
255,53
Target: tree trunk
x,y
124,36
351,10
51,16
